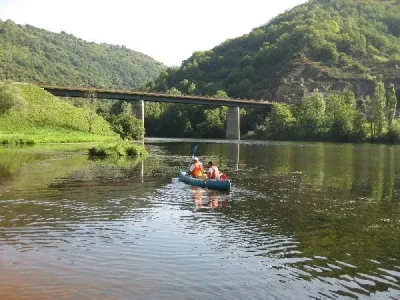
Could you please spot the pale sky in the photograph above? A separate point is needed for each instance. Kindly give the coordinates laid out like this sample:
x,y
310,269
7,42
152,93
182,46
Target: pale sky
x,y
167,30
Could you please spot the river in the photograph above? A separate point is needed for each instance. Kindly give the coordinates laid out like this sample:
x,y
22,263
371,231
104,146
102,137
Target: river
x,y
302,221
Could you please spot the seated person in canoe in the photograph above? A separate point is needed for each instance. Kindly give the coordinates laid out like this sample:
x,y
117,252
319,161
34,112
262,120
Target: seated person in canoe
x,y
213,172
196,168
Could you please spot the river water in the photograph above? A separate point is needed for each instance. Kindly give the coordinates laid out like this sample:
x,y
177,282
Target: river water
x,y
302,221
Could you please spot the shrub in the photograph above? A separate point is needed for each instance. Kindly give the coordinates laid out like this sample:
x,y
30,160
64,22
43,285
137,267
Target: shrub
x,y
10,97
98,151
118,149
326,52
135,150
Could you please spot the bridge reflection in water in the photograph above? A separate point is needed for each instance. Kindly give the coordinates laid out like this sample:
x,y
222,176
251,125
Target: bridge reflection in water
x,y
233,154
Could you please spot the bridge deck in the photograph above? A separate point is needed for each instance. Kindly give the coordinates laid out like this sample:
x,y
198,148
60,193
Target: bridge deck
x,y
131,95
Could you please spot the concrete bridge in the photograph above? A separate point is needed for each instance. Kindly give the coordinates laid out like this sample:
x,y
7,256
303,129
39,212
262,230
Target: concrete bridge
x,y
138,98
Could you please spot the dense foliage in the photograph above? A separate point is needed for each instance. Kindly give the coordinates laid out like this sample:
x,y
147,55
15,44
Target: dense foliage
x,y
320,44
337,117
185,120
31,54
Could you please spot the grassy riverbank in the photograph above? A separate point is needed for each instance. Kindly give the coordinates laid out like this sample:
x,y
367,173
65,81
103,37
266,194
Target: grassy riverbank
x,y
47,119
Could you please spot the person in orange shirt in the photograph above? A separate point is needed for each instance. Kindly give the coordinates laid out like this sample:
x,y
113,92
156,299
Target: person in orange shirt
x,y
196,168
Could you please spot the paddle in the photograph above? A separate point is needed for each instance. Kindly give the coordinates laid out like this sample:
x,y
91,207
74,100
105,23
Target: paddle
x,y
194,150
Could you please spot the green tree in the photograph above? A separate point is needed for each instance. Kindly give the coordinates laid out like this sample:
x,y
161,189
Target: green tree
x,y
378,106
123,122
10,97
359,133
221,94
391,103
340,113
368,115
153,115
186,86
126,108
191,88
176,121
127,126
174,91
311,115
214,123
326,52
280,122
90,108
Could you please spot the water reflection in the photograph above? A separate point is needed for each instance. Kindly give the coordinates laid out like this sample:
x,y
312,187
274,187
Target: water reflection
x,y
142,170
320,218
233,154
368,170
208,199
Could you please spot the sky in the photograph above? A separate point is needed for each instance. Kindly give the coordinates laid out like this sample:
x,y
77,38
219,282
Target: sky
x,y
167,30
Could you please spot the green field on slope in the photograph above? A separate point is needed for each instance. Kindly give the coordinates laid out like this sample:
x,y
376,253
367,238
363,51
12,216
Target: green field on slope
x,y
47,119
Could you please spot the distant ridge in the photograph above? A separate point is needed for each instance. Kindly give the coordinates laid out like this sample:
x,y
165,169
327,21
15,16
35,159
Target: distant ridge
x,y
30,54
323,44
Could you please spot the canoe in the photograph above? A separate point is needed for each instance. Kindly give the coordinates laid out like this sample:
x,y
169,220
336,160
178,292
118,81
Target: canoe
x,y
223,185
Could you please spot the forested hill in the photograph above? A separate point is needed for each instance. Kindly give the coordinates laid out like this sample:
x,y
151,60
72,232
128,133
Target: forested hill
x,y
324,44
31,54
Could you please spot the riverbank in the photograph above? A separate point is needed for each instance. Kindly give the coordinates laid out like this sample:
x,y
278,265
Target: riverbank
x,y
53,136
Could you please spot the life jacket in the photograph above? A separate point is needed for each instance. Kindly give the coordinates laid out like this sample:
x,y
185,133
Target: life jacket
x,y
223,176
215,172
197,170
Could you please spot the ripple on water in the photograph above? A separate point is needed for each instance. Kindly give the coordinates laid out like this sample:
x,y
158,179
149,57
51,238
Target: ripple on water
x,y
167,244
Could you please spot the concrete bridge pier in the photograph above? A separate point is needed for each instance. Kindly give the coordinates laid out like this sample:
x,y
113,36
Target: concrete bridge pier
x,y
233,124
139,110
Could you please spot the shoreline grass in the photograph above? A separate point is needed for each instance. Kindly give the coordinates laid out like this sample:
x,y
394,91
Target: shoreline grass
x,y
49,136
